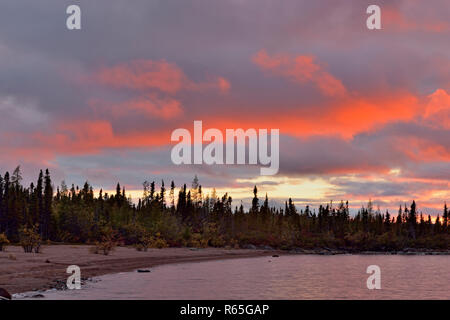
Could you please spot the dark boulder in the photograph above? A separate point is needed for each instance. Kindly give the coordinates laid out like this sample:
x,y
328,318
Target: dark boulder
x,y
4,295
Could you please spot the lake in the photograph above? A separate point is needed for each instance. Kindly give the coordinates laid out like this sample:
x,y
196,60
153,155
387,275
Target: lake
x,y
284,277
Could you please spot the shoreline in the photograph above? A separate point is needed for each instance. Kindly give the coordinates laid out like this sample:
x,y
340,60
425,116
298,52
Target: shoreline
x,y
26,272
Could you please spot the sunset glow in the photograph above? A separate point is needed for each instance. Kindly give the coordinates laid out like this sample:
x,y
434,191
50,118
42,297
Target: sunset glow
x,y
359,118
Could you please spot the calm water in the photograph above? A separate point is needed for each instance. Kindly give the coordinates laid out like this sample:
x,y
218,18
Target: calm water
x,y
286,277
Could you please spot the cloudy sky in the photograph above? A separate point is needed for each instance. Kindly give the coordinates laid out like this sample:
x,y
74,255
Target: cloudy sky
x,y
362,114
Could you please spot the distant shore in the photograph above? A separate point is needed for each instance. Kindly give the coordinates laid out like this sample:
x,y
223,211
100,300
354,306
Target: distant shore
x,y
405,251
21,272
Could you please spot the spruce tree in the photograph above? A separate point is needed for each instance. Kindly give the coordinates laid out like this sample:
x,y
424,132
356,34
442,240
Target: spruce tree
x,y
255,201
47,207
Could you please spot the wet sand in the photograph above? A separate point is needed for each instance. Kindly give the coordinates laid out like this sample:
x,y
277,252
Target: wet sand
x,y
20,272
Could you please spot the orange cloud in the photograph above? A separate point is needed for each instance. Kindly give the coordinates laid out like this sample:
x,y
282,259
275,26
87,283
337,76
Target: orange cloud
x,y
345,118
300,69
86,136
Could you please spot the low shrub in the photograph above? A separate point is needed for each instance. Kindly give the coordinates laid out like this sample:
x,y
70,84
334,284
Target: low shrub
x,y
147,241
107,244
159,243
3,242
197,241
103,247
30,240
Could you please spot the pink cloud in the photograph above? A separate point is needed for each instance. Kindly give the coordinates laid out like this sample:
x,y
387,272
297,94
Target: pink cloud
x,y
398,20
437,110
144,74
300,69
149,106
160,75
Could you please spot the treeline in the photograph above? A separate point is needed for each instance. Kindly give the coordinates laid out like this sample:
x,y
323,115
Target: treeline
x,y
192,218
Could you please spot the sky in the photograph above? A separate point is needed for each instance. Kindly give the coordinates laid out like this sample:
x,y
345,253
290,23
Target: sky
x,y
363,114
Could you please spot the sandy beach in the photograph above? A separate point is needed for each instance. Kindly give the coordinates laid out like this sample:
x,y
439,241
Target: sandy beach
x,y
20,272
